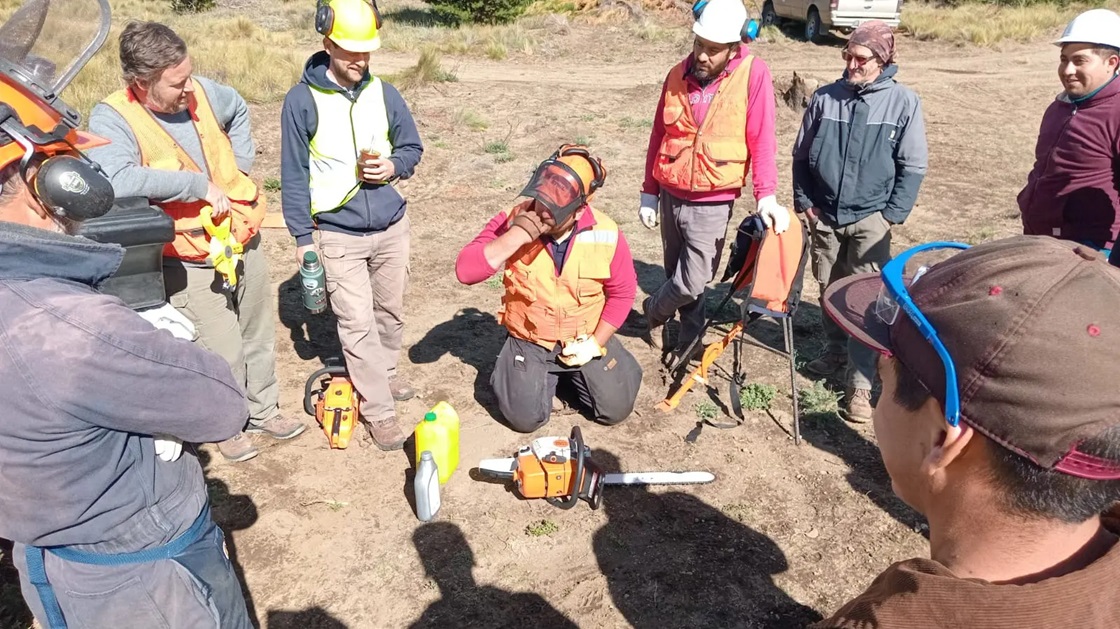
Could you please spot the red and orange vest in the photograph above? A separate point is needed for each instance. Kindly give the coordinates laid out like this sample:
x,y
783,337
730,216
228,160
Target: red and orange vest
x,y
542,307
159,151
711,156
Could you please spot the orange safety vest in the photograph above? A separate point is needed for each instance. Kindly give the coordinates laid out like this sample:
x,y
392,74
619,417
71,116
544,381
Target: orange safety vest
x,y
160,151
542,307
713,156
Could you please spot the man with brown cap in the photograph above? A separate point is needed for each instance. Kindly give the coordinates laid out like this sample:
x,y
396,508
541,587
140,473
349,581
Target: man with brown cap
x,y
858,162
1003,429
569,283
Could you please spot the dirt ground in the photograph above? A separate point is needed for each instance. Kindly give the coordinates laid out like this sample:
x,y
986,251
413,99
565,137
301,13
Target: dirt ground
x,y
786,533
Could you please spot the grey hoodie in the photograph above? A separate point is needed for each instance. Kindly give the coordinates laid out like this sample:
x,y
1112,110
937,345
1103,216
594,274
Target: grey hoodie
x,y
85,383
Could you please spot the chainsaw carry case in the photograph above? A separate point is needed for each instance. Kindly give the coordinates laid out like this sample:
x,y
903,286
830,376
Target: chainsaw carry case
x,y
143,231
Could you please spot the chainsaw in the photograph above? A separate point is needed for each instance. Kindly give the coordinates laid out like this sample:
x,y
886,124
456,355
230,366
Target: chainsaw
x,y
561,471
334,404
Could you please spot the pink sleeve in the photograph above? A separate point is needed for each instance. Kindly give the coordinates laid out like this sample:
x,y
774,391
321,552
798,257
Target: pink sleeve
x,y
761,138
650,185
621,286
471,266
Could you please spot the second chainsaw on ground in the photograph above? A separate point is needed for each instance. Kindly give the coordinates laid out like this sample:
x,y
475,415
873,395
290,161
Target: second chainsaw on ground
x,y
561,471
334,404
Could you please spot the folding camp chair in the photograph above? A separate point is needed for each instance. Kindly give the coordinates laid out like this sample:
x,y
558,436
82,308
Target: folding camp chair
x,y
774,291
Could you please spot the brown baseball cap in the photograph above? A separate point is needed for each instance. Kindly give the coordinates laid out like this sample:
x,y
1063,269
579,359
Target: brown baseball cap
x,y
1032,324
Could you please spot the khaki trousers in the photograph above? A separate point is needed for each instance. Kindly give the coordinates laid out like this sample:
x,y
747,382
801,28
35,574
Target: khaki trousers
x,y
367,277
862,247
237,327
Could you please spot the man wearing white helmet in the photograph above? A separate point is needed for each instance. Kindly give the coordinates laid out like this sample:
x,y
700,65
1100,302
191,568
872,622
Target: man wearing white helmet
x,y
1073,191
714,124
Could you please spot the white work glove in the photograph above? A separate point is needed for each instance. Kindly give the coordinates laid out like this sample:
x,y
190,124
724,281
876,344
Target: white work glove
x,y
167,317
773,215
647,213
581,351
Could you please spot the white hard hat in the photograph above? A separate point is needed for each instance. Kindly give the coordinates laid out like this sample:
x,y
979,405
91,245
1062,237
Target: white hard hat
x,y
720,21
1097,26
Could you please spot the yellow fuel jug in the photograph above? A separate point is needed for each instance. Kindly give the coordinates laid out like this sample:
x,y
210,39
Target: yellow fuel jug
x,y
438,433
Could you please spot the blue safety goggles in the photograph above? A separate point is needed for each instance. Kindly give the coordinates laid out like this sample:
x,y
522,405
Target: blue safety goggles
x,y
895,295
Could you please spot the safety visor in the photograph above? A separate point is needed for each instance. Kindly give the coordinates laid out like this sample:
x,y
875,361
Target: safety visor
x,y
558,188
17,142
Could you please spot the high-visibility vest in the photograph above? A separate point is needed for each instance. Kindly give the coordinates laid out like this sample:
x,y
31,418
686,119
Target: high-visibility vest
x,y
158,150
345,127
714,155
542,307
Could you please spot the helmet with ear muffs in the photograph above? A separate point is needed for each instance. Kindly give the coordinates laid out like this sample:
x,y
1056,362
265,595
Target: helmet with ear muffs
x,y
72,188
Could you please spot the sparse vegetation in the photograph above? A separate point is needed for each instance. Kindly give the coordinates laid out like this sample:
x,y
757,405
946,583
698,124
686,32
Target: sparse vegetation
x,y
272,184
757,396
818,399
470,119
541,528
706,410
427,70
985,24
192,6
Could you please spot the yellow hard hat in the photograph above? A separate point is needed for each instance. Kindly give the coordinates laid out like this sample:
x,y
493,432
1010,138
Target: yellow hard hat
x,y
352,25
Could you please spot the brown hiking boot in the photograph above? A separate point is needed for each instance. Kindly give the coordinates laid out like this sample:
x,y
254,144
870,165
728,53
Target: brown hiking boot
x,y
239,448
653,333
858,407
386,433
401,389
278,427
827,364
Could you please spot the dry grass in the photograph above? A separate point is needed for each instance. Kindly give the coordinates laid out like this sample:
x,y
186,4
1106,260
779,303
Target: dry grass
x,y
496,42
427,70
985,24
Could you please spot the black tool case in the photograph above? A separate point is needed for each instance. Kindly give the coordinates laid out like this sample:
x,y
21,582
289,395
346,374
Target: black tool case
x,y
143,231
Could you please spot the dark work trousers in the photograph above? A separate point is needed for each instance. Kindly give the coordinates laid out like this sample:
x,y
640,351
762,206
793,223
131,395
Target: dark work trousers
x,y
196,590
526,375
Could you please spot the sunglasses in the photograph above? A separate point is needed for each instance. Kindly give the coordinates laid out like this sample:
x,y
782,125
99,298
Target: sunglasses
x,y
894,296
860,61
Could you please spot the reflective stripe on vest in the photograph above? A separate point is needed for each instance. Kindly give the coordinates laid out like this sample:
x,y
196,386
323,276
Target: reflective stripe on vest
x,y
158,150
345,127
542,307
714,156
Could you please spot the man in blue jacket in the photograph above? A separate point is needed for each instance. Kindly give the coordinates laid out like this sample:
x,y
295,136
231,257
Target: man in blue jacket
x,y
110,528
858,162
346,136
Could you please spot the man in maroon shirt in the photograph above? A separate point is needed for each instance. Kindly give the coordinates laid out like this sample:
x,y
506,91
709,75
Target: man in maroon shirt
x,y
1073,191
569,283
1002,429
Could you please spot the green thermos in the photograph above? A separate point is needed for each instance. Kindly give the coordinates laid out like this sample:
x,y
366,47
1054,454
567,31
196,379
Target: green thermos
x,y
314,282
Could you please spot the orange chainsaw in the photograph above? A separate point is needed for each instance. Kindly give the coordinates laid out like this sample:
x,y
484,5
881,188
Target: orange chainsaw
x,y
334,404
561,471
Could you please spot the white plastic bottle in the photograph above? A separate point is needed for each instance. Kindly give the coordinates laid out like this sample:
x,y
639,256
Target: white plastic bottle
x,y
426,485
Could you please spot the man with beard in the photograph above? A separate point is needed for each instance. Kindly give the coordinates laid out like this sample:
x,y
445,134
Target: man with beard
x,y
858,161
109,528
1073,191
346,136
569,285
183,142
714,123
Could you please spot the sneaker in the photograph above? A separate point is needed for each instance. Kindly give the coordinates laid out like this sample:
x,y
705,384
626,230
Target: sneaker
x,y
827,364
278,427
386,433
401,389
653,331
239,448
858,408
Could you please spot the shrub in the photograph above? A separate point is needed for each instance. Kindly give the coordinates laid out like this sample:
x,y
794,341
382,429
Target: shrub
x,y
478,11
192,6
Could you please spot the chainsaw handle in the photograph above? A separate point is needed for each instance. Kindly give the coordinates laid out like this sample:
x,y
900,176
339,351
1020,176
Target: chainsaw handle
x,y
308,389
575,441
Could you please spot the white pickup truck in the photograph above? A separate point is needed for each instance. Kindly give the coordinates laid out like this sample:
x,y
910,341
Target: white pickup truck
x,y
820,16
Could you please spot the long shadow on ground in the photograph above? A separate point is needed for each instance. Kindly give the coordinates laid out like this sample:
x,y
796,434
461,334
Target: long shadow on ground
x,y
475,338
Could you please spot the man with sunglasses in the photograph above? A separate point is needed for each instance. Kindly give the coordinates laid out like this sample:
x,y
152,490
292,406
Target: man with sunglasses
x,y
858,162
1000,423
1073,191
714,125
569,284
346,137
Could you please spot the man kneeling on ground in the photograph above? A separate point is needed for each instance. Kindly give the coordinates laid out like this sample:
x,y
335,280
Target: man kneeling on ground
x,y
1003,429
569,284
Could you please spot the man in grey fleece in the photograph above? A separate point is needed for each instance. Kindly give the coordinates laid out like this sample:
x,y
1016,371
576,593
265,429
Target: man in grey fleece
x,y
157,125
858,162
86,383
